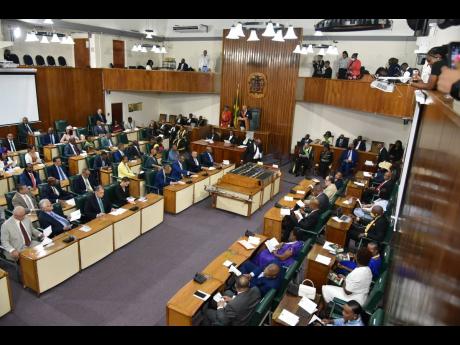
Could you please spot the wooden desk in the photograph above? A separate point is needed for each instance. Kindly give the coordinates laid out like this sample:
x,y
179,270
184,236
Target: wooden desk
x,y
49,152
347,208
132,134
32,139
337,232
106,176
199,183
6,298
136,187
126,226
217,270
178,197
360,176
354,190
152,211
44,269
272,223
240,200
95,244
241,135
221,151
77,164
316,271
291,303
237,248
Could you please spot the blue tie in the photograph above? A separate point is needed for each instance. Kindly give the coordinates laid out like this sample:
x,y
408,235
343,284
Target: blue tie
x,y
62,175
52,138
210,158
60,219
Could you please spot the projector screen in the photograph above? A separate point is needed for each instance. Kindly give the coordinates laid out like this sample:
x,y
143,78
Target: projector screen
x,y
18,97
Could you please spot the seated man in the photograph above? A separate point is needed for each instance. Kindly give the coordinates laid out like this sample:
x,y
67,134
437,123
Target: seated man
x,y
365,211
318,194
71,148
99,129
11,144
330,189
348,161
178,171
151,162
18,233
234,310
47,217
338,180
58,171
304,160
214,136
201,121
346,266
101,161
383,154
359,144
206,158
122,192
383,190
264,279
254,151
54,192
50,138
99,116
351,313
173,154
341,141
124,170
304,221
130,124
83,183
232,138
119,153
191,120
97,204
30,177
106,141
24,198
374,230
134,151
164,128
163,179
193,164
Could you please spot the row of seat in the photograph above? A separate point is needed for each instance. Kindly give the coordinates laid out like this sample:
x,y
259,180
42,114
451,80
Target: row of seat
x,y
39,60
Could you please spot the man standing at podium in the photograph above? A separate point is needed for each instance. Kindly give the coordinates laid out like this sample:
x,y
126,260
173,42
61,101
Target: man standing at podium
x,y
204,65
24,129
244,118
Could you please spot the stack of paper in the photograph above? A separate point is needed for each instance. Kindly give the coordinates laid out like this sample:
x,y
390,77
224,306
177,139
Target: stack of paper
x,y
130,199
337,219
242,146
233,269
327,246
316,180
285,211
47,232
85,228
225,162
227,263
359,184
346,202
142,199
211,168
46,241
369,163
275,166
308,305
76,215
288,317
315,318
288,198
298,214
323,259
180,182
71,202
246,244
367,174
272,244
300,203
300,192
254,240
118,211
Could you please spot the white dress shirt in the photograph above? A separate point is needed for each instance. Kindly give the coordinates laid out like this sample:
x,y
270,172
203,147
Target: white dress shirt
x,y
258,154
204,61
28,158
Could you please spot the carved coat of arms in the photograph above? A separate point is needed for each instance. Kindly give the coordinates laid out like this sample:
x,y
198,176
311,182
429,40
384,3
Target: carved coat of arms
x,y
257,83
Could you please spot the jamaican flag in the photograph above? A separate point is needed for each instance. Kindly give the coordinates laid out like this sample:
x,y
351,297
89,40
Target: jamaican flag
x,y
236,107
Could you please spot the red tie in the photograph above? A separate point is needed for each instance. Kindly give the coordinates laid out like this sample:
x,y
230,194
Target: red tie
x,y
380,185
25,235
32,177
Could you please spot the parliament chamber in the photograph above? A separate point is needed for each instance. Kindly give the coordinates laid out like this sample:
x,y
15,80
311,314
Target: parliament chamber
x,y
246,189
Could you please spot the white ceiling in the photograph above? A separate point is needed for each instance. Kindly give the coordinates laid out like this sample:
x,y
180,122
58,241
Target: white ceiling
x,y
163,27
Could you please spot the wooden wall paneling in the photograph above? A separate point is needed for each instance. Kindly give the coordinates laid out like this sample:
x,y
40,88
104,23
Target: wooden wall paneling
x,y
280,66
118,53
81,52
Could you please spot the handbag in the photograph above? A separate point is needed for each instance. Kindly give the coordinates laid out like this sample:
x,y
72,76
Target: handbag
x,y
306,290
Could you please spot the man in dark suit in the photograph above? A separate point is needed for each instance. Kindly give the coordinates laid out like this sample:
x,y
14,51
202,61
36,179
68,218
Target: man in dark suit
x,y
206,157
383,190
213,135
383,154
348,161
101,161
50,138
164,128
305,221
359,143
134,151
119,153
338,180
254,151
264,280
162,178
47,217
232,138
341,141
99,128
122,192
57,170
172,133
97,204
30,177
11,144
375,229
191,120
178,171
193,163
234,310
83,183
24,129
201,121
182,66
53,191
151,162
71,148
99,116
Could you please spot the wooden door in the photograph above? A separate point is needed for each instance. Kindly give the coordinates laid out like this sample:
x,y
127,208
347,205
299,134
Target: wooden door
x,y
81,52
117,113
118,54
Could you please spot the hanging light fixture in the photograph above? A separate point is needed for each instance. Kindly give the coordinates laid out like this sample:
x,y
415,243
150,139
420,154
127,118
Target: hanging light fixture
x,y
335,51
31,37
297,49
134,48
269,31
17,32
163,50
278,36
318,33
330,50
154,49
44,39
232,34
321,52
310,49
239,30
143,50
70,40
55,38
290,34
253,36
48,21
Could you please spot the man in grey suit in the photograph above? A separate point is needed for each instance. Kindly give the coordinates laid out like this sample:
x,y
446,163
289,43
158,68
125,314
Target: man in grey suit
x,y
234,310
17,234
24,198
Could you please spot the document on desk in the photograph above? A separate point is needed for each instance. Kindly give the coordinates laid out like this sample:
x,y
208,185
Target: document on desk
x,y
369,163
211,168
254,240
194,176
142,199
242,146
47,232
271,244
70,202
288,198
285,211
233,269
323,259
367,174
180,182
308,305
337,219
46,241
301,192
246,244
225,162
227,263
315,318
300,203
288,317
118,211
85,228
328,246
130,199
359,184
275,166
298,215
75,215
316,180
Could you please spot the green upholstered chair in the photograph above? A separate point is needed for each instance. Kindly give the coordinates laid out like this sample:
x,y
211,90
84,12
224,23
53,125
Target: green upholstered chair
x,y
262,309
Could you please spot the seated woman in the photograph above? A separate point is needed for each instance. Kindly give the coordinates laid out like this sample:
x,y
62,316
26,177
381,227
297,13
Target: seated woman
x,y
69,133
7,162
351,313
123,168
32,156
284,255
344,267
116,127
85,144
159,145
356,285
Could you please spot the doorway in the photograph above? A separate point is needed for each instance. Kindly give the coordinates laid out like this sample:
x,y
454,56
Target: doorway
x,y
118,54
81,52
117,113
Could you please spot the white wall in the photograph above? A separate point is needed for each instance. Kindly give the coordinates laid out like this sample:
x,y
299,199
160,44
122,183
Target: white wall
x,y
438,37
316,119
191,51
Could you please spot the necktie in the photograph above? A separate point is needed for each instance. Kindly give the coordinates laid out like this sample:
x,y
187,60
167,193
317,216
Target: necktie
x,y
210,158
164,177
196,161
52,139
13,148
73,149
369,226
29,202
62,175
55,191
60,219
32,178
28,128
380,185
349,154
101,206
88,185
25,234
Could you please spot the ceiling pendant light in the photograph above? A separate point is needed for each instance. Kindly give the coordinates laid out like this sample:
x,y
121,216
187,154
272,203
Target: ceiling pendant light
x,y
269,31
310,49
143,50
17,32
44,40
318,33
48,21
70,40
304,50
297,49
253,36
64,40
321,52
232,34
148,35
278,36
55,38
290,34
239,30
163,50
154,49
32,37
134,48
330,50
335,51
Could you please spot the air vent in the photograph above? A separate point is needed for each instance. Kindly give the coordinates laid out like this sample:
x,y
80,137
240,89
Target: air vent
x,y
190,28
